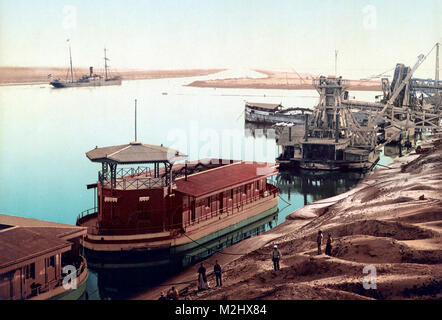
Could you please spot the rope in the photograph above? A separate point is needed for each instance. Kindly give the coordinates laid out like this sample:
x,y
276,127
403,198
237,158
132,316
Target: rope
x,y
202,245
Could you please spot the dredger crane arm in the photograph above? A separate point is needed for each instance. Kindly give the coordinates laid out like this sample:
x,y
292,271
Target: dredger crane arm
x,y
404,82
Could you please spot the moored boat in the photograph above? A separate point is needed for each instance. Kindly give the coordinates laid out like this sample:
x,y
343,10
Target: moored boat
x,y
267,113
172,213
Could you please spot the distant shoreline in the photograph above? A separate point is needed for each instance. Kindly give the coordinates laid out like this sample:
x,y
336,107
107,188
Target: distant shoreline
x,y
10,76
276,80
281,81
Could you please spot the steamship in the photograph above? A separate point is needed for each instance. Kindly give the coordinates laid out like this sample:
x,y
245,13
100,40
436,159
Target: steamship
x,y
91,80
170,213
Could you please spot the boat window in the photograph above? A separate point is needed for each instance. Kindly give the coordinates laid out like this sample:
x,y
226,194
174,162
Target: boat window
x,y
50,262
30,271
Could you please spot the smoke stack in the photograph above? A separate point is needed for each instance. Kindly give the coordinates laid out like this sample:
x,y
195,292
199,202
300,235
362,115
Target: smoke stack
x,y
91,71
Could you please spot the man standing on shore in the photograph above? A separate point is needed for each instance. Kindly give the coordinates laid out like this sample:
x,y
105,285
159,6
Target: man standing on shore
x,y
276,255
319,241
217,271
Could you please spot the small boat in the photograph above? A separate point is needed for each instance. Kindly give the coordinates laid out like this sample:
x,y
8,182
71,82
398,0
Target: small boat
x,y
268,113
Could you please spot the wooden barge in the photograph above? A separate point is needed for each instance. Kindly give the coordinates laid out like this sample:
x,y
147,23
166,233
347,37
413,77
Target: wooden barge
x,y
267,113
173,213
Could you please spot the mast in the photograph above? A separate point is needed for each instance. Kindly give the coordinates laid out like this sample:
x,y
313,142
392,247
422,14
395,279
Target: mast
x,y
135,119
70,58
436,77
336,63
105,65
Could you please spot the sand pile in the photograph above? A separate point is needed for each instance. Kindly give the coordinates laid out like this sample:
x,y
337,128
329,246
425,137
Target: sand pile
x,y
391,220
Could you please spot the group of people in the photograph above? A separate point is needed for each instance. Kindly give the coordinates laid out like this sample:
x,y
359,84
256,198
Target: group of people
x,y
203,284
276,254
172,294
328,245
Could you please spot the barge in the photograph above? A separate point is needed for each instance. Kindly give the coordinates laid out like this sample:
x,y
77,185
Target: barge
x,y
171,213
267,113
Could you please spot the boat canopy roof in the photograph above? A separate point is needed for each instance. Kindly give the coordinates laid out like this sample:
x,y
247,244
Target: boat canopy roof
x,y
23,239
224,178
135,152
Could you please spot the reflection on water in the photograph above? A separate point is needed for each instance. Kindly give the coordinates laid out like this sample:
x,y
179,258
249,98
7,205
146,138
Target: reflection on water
x,y
315,186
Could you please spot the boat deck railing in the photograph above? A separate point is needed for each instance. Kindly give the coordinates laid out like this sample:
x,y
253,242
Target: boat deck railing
x,y
135,183
39,289
133,179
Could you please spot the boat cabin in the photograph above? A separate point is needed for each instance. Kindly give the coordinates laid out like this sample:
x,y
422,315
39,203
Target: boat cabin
x,y
33,254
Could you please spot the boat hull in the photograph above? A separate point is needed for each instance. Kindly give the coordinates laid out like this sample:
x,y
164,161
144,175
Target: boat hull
x,y
59,293
329,165
92,83
273,118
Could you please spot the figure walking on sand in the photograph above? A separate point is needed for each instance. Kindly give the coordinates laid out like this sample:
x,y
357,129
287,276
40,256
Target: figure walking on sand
x,y
328,246
202,279
319,241
276,256
217,271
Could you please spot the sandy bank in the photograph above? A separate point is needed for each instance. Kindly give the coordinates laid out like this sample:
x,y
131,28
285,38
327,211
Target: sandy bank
x,y
391,220
25,75
281,81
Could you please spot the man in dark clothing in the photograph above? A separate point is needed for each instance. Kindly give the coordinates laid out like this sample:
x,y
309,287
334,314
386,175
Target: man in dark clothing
x,y
276,255
319,241
217,271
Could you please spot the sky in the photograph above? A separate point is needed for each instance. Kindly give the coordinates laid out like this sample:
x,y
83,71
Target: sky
x,y
371,36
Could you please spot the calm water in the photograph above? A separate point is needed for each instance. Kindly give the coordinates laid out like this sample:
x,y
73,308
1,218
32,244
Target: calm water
x,y
45,132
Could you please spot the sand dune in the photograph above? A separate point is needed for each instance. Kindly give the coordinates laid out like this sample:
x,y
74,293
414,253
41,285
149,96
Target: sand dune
x,y
391,220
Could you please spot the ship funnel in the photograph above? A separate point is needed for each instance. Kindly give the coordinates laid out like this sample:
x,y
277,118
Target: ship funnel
x,y
91,71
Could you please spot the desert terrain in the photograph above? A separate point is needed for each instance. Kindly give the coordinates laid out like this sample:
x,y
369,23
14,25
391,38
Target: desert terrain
x,y
392,220
25,75
282,81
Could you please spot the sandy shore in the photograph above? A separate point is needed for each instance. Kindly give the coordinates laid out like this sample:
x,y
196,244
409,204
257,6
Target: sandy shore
x,y
391,220
281,81
24,75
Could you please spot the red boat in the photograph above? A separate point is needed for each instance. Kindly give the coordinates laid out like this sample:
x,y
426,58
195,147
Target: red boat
x,y
168,212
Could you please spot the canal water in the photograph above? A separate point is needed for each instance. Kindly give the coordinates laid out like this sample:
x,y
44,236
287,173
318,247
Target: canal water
x,y
45,132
